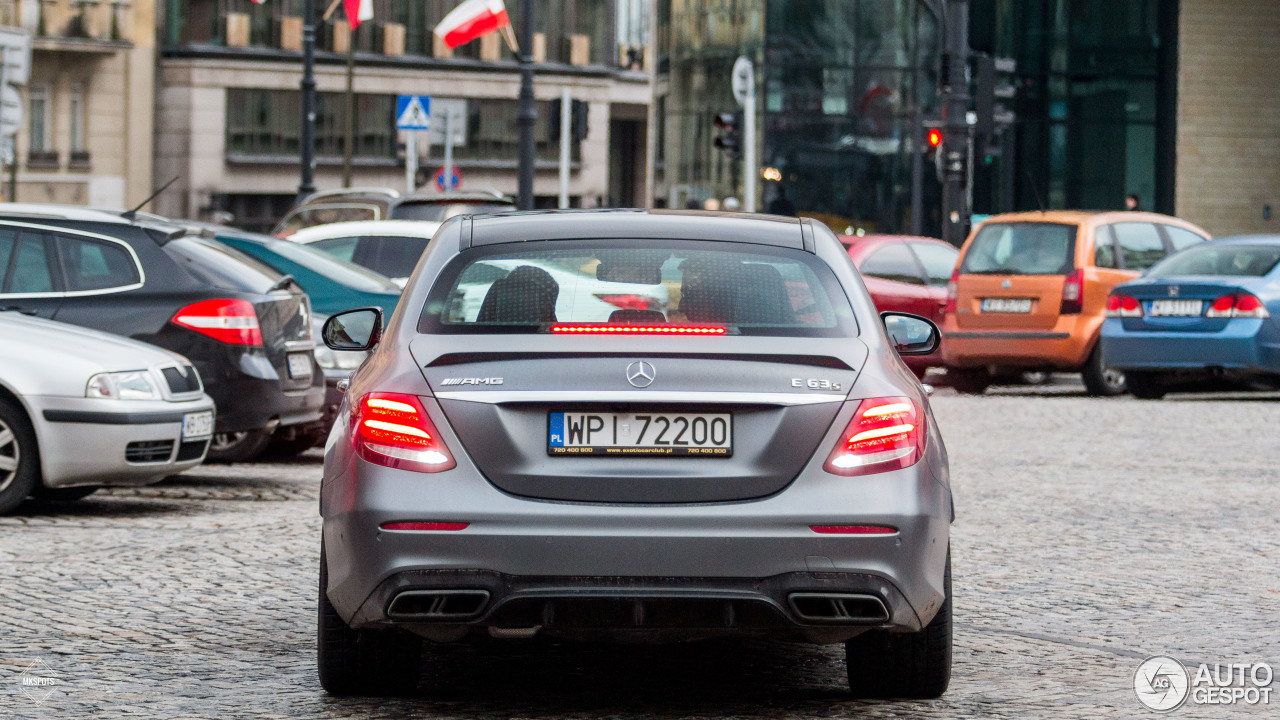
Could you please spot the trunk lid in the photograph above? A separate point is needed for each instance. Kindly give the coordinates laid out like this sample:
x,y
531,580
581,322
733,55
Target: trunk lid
x,y
1012,275
284,317
1167,303
500,405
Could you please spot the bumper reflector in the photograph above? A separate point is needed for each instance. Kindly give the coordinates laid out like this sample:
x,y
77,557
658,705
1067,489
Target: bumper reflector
x,y
424,526
853,530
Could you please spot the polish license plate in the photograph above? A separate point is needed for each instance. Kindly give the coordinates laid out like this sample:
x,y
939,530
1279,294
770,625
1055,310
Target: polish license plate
x,y
1176,308
1006,305
197,425
299,365
621,434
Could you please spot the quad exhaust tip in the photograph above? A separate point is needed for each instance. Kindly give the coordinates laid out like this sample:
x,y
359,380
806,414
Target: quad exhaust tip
x,y
438,604
838,608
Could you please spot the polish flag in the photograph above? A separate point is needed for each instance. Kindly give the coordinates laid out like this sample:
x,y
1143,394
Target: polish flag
x,y
473,19
358,11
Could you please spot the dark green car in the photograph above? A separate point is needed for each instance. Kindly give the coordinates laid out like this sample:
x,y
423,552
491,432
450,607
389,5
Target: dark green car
x,y
332,284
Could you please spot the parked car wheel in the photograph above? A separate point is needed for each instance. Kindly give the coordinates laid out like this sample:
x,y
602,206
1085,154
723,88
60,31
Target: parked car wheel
x,y
69,494
362,662
969,381
1099,380
234,447
19,458
903,665
1145,385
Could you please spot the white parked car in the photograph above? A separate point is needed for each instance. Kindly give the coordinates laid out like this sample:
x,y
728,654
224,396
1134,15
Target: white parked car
x,y
388,247
80,409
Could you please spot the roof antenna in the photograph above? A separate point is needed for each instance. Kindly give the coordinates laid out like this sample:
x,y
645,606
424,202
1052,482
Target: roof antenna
x,y
130,215
1035,189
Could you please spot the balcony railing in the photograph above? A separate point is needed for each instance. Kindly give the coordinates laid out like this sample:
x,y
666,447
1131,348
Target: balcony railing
x,y
100,20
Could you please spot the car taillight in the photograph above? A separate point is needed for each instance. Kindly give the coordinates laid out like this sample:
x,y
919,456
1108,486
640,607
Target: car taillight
x,y
1239,305
1073,293
392,429
1123,306
234,322
628,302
953,291
884,434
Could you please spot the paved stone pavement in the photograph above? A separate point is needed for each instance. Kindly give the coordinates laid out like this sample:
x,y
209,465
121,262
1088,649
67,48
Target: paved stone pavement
x,y
1091,534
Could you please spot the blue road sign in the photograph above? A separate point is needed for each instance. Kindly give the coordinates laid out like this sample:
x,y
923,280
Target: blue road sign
x,y
454,181
413,112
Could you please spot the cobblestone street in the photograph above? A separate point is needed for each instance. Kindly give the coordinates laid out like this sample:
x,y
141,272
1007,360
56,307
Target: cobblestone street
x,y
1090,534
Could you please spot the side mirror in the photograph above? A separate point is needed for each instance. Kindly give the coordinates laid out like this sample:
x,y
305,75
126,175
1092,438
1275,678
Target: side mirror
x,y
911,334
349,330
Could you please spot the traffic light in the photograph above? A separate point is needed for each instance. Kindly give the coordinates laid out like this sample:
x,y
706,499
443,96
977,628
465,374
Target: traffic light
x,y
729,139
994,82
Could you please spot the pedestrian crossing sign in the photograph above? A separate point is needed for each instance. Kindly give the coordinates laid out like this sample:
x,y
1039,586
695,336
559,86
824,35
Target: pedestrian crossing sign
x,y
413,112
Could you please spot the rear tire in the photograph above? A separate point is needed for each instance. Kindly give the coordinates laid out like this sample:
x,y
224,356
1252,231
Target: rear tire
x,y
19,457
914,666
236,447
969,381
363,662
1146,385
1099,380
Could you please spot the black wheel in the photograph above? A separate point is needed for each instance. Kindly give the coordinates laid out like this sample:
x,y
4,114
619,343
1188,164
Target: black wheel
x,y
969,381
234,447
19,458
914,666
1146,385
1101,381
363,662
70,494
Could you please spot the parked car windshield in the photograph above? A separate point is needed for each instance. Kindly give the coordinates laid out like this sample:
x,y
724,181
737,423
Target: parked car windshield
x,y
749,289
1029,248
1217,259
313,215
443,211
343,273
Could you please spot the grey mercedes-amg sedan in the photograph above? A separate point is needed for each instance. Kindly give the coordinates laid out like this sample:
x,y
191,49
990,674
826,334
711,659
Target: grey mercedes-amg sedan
x,y
732,448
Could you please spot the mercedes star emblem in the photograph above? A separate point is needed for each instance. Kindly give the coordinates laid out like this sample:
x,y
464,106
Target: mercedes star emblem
x,y
1174,290
1006,284
641,374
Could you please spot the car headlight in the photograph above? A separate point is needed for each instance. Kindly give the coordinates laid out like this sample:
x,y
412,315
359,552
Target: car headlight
x,y
338,360
129,385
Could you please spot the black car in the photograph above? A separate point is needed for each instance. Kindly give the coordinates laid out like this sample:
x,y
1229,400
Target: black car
x,y
246,327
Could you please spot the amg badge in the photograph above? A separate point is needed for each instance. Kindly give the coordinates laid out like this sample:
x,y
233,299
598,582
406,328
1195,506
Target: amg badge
x,y
814,384
471,381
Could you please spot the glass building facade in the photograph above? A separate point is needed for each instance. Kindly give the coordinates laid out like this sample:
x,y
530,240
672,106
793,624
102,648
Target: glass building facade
x,y
845,87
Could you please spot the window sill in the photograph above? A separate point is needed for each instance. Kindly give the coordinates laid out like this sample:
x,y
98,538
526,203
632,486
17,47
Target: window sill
x,y
80,160
246,159
43,160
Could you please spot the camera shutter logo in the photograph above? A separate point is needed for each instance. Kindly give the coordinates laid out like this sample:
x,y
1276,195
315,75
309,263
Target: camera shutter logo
x,y
1161,683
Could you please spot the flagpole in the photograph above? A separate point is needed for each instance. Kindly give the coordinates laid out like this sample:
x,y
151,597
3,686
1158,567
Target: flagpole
x,y
349,131
528,113
307,184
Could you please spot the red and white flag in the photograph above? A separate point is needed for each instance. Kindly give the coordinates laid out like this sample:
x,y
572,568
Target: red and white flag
x,y
472,19
358,11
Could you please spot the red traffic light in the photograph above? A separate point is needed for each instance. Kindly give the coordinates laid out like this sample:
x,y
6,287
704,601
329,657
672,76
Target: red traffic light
x,y
934,137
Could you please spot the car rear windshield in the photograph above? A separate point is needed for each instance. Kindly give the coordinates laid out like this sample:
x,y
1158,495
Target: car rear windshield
x,y
1027,248
1226,260
443,211
221,266
667,286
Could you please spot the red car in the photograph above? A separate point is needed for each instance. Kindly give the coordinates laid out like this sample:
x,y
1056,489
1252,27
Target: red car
x,y
907,274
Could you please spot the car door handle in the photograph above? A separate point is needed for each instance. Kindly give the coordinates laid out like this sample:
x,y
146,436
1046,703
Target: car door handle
x,y
17,309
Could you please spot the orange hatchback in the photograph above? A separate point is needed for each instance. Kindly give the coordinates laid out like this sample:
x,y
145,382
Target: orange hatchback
x,y
1030,291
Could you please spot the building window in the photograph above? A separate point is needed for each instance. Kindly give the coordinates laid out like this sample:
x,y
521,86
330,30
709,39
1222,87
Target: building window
x,y
268,123
40,127
77,118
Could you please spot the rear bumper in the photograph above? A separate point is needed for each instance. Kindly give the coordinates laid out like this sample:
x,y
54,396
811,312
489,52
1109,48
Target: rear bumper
x,y
84,442
1239,346
1066,346
249,403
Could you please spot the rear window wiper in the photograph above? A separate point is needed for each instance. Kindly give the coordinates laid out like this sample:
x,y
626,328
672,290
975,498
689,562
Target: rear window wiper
x,y
281,283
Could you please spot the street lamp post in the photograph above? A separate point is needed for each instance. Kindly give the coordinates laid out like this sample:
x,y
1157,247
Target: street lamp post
x,y
528,113
307,185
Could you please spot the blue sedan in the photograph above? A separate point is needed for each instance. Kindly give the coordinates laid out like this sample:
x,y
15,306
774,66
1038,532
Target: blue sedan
x,y
1208,316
